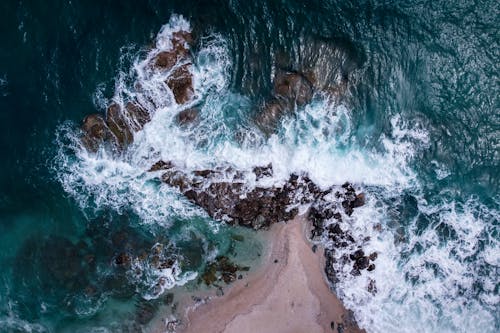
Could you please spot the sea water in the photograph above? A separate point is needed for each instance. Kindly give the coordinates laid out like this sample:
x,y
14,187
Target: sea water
x,y
417,130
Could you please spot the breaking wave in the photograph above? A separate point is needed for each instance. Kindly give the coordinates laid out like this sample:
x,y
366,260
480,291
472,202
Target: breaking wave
x,y
437,256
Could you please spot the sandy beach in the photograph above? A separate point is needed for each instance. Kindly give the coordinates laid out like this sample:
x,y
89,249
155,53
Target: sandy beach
x,y
288,293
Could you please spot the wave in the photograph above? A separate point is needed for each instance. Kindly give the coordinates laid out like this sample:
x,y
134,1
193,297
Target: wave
x,y
436,259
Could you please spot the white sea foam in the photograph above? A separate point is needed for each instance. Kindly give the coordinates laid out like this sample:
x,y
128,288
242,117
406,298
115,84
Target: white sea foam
x,y
424,282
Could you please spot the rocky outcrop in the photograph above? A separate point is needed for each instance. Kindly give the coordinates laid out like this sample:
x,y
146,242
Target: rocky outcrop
x,y
117,129
291,89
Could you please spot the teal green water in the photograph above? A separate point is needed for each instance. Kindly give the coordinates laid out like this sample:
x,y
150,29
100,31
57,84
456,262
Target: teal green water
x,y
420,135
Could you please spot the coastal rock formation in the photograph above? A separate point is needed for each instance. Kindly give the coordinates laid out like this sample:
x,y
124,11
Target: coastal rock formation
x,y
223,194
122,120
291,89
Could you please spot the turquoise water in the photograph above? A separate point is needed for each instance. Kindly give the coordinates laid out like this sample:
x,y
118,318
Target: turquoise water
x,y
417,130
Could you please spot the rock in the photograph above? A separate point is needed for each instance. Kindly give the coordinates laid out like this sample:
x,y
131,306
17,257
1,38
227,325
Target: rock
x,y
269,116
221,269
166,60
180,83
118,125
373,256
95,132
145,312
359,201
263,171
293,88
372,288
122,259
357,255
361,263
371,267
188,116
137,115
161,165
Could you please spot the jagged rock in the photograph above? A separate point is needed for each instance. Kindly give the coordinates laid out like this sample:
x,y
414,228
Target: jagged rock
x,y
373,256
161,165
263,171
181,40
118,125
361,263
293,88
188,116
122,259
95,132
357,255
181,83
269,115
372,287
137,115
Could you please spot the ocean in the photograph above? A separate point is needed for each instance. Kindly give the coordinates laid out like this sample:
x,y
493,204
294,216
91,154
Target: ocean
x,y
415,125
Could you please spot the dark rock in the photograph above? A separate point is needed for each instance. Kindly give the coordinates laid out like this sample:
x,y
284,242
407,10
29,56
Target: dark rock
x,y
221,269
188,116
137,115
372,288
371,267
269,115
118,125
145,312
373,256
361,263
161,165
165,60
122,259
359,201
293,87
181,83
263,171
358,254
95,132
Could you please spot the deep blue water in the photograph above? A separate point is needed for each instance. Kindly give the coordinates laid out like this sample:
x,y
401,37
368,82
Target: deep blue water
x,y
419,132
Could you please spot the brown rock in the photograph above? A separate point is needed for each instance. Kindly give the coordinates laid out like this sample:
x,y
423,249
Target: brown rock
x,y
118,125
95,132
181,84
137,115
188,116
293,87
161,165
269,115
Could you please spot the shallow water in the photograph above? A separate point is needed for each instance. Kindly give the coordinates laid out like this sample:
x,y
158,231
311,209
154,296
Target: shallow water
x,y
417,130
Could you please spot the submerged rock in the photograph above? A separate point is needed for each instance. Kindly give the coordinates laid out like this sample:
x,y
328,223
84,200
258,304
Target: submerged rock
x,y
221,269
187,117
290,89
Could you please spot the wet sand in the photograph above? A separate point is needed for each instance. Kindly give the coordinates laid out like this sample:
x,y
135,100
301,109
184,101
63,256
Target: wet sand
x,y
288,293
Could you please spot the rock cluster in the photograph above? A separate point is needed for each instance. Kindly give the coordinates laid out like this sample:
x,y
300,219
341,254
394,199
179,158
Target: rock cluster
x,y
221,269
116,130
326,218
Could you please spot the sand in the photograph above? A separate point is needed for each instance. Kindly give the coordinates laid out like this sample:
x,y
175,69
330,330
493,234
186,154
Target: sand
x,y
288,293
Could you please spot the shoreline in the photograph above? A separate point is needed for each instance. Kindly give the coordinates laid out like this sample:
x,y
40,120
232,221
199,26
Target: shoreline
x,y
287,293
